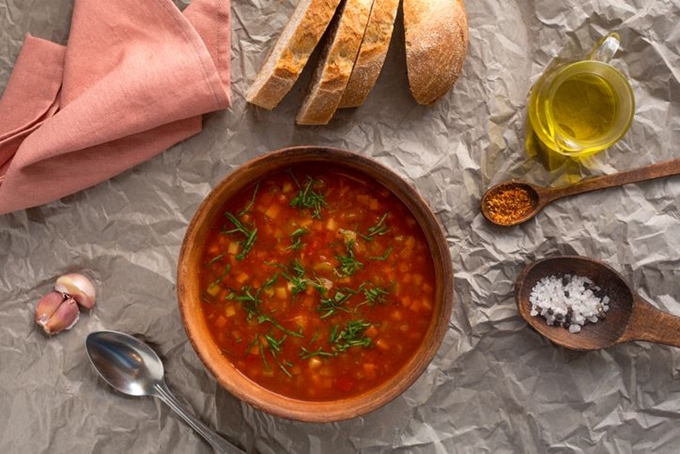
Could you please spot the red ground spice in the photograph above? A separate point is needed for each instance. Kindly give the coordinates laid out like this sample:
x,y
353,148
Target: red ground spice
x,y
508,204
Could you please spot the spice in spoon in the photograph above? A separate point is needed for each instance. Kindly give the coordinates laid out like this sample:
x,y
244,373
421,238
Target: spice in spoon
x,y
569,301
509,203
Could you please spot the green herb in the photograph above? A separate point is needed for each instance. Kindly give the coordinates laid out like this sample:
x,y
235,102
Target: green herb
x,y
285,367
251,202
353,335
250,235
348,263
207,295
296,240
375,295
260,347
308,198
330,306
262,318
377,230
315,336
269,282
306,354
319,286
384,256
249,300
298,281
218,281
295,275
214,260
274,345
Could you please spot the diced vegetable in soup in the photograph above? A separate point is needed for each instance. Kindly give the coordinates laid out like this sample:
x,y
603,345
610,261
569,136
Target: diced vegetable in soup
x,y
317,284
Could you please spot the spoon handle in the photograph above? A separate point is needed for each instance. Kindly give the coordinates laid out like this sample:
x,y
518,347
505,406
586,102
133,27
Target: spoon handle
x,y
217,442
659,170
652,325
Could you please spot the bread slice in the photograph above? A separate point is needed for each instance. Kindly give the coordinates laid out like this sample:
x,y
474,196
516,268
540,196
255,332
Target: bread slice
x,y
285,62
436,43
372,53
335,63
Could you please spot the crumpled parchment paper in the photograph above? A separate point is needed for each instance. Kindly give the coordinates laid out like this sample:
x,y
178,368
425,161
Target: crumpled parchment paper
x,y
495,385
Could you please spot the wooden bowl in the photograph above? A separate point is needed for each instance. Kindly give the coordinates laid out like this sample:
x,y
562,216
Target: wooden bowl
x,y
189,290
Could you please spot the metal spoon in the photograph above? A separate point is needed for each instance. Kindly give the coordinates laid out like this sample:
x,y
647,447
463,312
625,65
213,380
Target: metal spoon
x,y
630,317
133,368
540,196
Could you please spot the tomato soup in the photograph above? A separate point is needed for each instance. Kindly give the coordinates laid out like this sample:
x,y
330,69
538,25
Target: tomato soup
x,y
317,284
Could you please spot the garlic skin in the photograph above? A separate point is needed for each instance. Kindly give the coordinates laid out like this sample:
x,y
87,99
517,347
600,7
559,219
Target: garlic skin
x,y
64,317
47,306
77,286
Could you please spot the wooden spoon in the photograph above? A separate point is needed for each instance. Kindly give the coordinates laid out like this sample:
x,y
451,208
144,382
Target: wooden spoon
x,y
538,197
630,317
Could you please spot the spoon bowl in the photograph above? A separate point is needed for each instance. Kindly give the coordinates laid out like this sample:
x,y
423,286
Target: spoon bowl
x,y
629,318
133,368
124,362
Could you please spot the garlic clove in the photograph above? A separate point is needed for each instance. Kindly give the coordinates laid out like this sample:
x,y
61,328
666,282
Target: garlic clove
x,y
66,315
78,287
47,306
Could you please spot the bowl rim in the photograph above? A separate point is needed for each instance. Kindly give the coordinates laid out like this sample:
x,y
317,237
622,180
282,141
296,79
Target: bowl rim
x,y
252,393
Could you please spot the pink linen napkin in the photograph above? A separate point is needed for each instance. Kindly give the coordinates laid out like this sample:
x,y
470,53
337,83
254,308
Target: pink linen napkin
x,y
133,80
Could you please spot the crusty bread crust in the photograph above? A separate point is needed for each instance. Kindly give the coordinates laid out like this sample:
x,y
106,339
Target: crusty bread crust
x,y
285,62
372,53
436,43
335,64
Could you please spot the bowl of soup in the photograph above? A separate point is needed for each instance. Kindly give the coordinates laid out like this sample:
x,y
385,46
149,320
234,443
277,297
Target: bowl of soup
x,y
315,284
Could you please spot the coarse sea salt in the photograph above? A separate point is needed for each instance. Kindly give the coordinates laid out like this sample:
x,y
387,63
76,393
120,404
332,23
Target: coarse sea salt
x,y
569,301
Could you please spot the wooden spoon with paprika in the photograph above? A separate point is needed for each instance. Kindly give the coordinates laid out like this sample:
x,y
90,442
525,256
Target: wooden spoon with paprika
x,y
515,201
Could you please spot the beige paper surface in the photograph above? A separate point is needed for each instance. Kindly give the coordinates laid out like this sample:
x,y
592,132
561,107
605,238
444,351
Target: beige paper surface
x,y
494,386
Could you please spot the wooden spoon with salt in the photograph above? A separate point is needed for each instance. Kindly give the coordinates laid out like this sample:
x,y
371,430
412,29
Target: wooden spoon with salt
x,y
514,202
630,317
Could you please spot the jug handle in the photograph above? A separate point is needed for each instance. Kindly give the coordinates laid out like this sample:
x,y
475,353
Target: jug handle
x,y
605,49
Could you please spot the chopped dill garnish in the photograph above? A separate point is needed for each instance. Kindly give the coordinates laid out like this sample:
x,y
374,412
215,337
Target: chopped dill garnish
x,y
262,318
214,260
260,347
384,256
378,229
331,305
249,300
348,263
269,282
306,353
297,280
295,275
273,344
250,235
251,202
218,281
374,295
284,367
309,198
315,336
352,335
296,240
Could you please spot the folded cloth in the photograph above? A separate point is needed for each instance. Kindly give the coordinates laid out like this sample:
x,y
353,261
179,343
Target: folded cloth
x,y
133,80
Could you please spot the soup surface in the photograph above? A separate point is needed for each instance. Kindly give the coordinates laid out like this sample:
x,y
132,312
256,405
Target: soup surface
x,y
317,284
